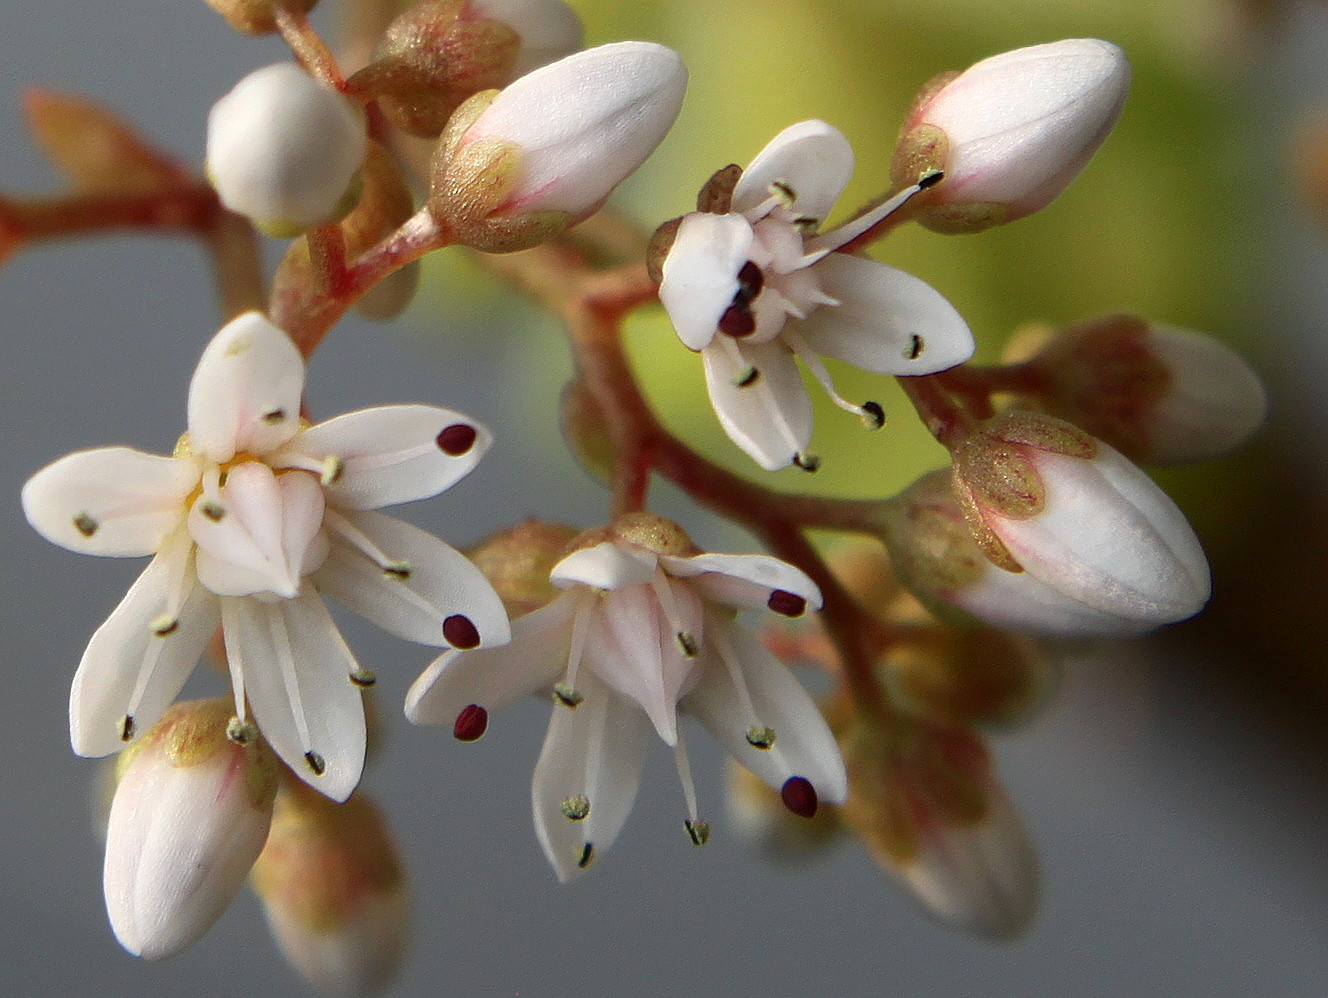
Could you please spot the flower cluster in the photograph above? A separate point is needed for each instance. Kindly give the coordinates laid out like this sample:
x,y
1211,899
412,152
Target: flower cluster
x,y
1041,525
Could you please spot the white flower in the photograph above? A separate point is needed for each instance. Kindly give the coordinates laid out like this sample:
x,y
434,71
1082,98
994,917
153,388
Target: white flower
x,y
645,627
190,817
544,153
1012,131
548,29
254,517
756,286
1043,497
283,150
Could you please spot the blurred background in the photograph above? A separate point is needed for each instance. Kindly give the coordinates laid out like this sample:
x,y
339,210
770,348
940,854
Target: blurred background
x,y
1175,787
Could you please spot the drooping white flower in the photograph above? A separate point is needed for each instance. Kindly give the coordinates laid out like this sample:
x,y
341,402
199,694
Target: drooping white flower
x,y
189,818
1043,497
253,519
645,628
1012,131
756,286
283,150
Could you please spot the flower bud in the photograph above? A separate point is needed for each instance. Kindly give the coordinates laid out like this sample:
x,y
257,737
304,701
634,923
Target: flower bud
x,y
257,17
284,150
926,804
1159,395
189,818
1043,497
334,891
1010,132
516,168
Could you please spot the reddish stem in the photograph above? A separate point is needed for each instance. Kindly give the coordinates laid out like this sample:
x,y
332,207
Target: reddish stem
x,y
309,47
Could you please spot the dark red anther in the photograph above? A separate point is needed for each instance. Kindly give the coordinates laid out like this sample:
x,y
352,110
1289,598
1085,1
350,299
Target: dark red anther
x,y
460,632
786,603
456,439
737,321
750,283
471,724
799,796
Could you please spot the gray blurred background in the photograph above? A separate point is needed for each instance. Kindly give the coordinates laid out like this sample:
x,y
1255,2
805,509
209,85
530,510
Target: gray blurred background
x,y
1181,833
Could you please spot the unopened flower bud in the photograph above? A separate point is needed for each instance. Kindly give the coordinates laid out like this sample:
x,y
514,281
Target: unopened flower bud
x,y
1159,395
334,891
1043,497
516,168
257,17
189,817
285,151
517,562
1010,132
926,804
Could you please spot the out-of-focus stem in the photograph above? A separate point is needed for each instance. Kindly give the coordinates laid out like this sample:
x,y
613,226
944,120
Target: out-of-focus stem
x,y
308,47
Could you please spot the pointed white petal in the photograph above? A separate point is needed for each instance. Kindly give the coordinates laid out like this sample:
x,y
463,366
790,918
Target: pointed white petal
x,y
635,650
112,501
701,273
771,417
743,581
803,743
605,566
245,394
811,158
429,581
388,455
594,751
136,662
494,678
981,878
887,322
296,670
263,534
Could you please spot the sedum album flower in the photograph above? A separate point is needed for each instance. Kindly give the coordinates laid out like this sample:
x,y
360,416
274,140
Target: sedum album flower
x,y
753,285
1043,497
189,818
284,150
644,628
1011,131
252,520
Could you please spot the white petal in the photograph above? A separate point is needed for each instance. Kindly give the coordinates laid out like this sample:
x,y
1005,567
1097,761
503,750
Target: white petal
x,y
595,751
131,669
887,322
770,418
245,394
811,158
112,501
264,534
635,650
389,454
980,878
701,273
743,581
494,678
441,582
549,29
803,743
605,566
296,670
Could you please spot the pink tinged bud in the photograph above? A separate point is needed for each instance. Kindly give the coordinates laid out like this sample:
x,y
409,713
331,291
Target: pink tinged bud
x,y
285,151
1011,132
1042,496
549,149
189,818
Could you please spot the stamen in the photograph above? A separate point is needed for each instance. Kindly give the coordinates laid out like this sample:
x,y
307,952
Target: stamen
x,y
363,678
685,778
786,603
814,364
399,570
127,728
471,724
669,604
737,321
873,416
930,179
751,280
565,695
799,796
317,764
734,667
456,439
274,416
783,192
240,732
276,624
176,556
762,389
164,625
576,808
85,524
460,632
333,466
745,379
697,831
587,855
849,231
581,617
394,567
807,462
761,738
915,345
214,511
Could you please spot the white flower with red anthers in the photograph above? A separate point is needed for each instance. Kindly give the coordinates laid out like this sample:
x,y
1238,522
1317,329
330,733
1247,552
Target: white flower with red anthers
x,y
756,286
645,628
252,520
